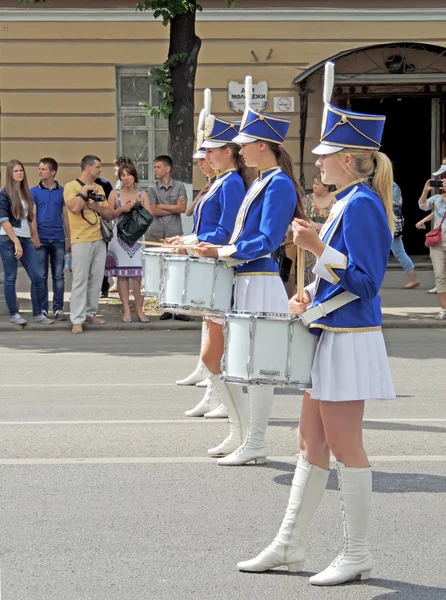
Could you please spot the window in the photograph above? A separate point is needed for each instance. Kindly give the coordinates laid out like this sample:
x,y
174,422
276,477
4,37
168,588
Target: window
x,y
140,136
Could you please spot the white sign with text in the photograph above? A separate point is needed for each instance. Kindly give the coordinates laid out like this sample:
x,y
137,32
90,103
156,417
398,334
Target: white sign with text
x,y
236,96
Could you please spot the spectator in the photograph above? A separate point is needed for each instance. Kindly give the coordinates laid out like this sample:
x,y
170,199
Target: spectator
x,y
123,261
168,199
118,162
88,247
318,205
16,216
397,246
437,203
49,230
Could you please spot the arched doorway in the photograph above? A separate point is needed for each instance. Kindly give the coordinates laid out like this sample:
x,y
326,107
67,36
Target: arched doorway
x,y
407,83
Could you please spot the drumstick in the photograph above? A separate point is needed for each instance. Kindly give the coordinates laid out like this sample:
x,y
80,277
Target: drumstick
x,y
300,273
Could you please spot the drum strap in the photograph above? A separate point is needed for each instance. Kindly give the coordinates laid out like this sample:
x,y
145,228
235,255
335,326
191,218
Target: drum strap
x,y
323,309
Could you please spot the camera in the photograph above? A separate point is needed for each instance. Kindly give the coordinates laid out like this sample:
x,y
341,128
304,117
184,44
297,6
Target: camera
x,y
437,183
95,197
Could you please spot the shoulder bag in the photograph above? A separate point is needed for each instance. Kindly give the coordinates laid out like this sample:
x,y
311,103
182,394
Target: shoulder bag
x,y
434,237
106,226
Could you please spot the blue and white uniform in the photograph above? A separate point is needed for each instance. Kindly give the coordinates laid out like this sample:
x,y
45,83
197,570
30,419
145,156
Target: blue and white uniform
x,y
351,360
217,209
260,228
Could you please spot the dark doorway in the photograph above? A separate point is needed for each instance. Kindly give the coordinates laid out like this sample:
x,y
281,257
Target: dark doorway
x,y
407,142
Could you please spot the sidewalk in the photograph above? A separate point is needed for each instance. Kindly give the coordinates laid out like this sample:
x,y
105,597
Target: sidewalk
x,y
404,309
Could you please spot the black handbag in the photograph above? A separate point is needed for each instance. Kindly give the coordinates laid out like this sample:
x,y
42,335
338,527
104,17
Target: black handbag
x,y
134,224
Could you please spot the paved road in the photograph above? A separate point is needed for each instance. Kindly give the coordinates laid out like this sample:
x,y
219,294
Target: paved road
x,y
106,492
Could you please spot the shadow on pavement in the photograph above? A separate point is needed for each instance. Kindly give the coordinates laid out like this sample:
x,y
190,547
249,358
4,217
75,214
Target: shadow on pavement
x,y
405,591
383,483
108,343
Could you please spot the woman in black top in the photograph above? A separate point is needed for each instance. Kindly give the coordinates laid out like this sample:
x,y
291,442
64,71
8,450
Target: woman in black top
x,y
16,215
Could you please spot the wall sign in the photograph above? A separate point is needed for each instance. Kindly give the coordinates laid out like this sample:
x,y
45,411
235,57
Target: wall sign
x,y
284,104
236,96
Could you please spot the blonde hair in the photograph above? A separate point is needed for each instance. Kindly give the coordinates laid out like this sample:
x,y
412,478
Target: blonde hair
x,y
377,167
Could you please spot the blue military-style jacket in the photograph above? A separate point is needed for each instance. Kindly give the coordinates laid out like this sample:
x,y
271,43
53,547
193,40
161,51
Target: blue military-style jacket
x,y
355,260
217,209
262,223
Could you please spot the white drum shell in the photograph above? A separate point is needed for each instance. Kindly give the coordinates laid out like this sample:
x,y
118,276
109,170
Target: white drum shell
x,y
196,285
268,349
151,270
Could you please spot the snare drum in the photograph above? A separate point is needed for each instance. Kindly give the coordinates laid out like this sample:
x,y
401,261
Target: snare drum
x,y
195,285
269,349
151,270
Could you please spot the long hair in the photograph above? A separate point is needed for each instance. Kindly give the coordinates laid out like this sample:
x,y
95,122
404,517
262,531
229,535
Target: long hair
x,y
285,162
16,195
248,175
377,167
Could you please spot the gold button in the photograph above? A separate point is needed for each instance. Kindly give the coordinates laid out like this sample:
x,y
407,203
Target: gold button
x,y
344,118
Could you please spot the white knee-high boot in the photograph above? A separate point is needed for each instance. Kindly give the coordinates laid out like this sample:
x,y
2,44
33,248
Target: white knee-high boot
x,y
201,371
210,401
355,560
254,447
221,412
287,548
236,404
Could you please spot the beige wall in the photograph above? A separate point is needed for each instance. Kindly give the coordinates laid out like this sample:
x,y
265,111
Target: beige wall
x,y
57,80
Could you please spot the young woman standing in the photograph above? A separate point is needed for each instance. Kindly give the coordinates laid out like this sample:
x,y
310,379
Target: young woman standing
x,y
199,375
260,228
350,364
16,216
123,261
214,218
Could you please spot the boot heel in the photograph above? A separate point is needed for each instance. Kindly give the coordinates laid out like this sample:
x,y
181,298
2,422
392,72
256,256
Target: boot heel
x,y
296,567
363,576
259,461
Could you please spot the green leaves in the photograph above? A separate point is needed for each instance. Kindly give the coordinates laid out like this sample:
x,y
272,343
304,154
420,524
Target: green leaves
x,y
161,78
168,9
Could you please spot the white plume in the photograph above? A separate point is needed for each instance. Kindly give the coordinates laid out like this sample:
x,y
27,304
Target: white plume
x,y
201,120
248,90
207,102
328,82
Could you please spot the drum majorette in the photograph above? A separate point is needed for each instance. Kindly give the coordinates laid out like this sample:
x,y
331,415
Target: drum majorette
x,y
214,216
350,365
260,227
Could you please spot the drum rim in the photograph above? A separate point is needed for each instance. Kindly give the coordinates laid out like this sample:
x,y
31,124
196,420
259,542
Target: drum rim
x,y
212,312
156,251
198,259
264,381
246,314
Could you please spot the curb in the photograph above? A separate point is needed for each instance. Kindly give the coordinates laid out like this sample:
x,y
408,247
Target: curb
x,y
66,326
408,324
194,326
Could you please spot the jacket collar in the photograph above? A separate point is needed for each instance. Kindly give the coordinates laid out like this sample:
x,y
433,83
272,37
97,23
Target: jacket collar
x,y
346,189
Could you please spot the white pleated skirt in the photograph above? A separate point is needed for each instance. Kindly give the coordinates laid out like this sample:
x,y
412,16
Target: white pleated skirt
x,y
260,293
351,366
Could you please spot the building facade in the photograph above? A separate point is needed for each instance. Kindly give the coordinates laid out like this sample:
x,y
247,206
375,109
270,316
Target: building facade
x,y
73,74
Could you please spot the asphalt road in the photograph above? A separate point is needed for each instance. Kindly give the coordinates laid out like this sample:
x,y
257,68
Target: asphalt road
x,y
106,491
